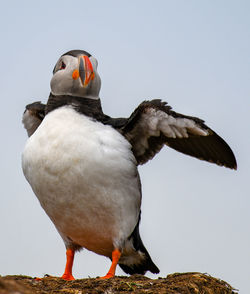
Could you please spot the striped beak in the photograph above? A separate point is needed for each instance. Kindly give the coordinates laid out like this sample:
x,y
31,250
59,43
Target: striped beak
x,y
86,72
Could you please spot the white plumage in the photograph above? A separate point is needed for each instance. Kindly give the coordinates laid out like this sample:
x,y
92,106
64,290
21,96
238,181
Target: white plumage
x,y
84,175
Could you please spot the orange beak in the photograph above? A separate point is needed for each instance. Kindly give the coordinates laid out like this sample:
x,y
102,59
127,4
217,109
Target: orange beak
x,y
86,72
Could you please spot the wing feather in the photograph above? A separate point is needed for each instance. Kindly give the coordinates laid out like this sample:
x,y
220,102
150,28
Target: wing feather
x,y
154,124
32,117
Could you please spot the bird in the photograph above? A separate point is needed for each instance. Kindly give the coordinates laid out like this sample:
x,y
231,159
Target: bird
x,y
83,164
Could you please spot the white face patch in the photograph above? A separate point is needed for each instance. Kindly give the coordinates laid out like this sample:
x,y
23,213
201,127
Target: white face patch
x,y
62,82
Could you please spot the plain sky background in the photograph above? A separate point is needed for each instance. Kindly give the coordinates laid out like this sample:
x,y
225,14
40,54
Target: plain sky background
x,y
193,54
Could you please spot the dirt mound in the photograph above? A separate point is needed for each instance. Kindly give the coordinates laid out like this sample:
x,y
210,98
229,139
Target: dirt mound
x,y
178,283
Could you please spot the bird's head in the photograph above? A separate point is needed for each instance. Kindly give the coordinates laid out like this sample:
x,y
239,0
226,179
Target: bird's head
x,y
75,74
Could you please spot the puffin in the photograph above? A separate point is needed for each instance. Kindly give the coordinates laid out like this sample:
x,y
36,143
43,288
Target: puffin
x,y
83,164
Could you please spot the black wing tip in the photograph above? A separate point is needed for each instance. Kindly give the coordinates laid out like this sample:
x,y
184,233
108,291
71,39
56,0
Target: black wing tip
x,y
232,166
229,159
228,163
231,163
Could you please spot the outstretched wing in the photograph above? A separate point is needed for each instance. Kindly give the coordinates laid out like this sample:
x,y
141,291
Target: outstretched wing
x,y
32,117
154,124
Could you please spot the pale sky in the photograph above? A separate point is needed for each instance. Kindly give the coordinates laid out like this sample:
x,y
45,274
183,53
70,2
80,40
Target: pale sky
x,y
193,54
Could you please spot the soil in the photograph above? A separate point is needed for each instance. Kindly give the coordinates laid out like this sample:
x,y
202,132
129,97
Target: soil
x,y
178,283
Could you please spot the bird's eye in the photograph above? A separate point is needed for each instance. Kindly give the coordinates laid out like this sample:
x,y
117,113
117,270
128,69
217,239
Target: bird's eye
x,y
63,66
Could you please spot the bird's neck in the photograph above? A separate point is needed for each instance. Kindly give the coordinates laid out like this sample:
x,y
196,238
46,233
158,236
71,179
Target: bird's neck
x,y
86,106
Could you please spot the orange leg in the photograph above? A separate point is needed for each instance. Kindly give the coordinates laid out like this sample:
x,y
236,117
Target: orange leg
x,y
116,254
69,264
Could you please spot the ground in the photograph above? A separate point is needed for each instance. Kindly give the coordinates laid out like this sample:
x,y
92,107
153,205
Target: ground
x,y
178,283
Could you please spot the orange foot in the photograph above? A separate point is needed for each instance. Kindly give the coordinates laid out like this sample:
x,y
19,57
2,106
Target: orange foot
x,y
67,277
108,276
70,253
116,254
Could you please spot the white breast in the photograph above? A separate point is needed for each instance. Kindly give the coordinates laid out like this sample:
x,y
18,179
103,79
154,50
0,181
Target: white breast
x,y
85,177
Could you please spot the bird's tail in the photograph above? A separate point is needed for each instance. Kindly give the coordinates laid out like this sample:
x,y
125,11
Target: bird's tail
x,y
135,258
